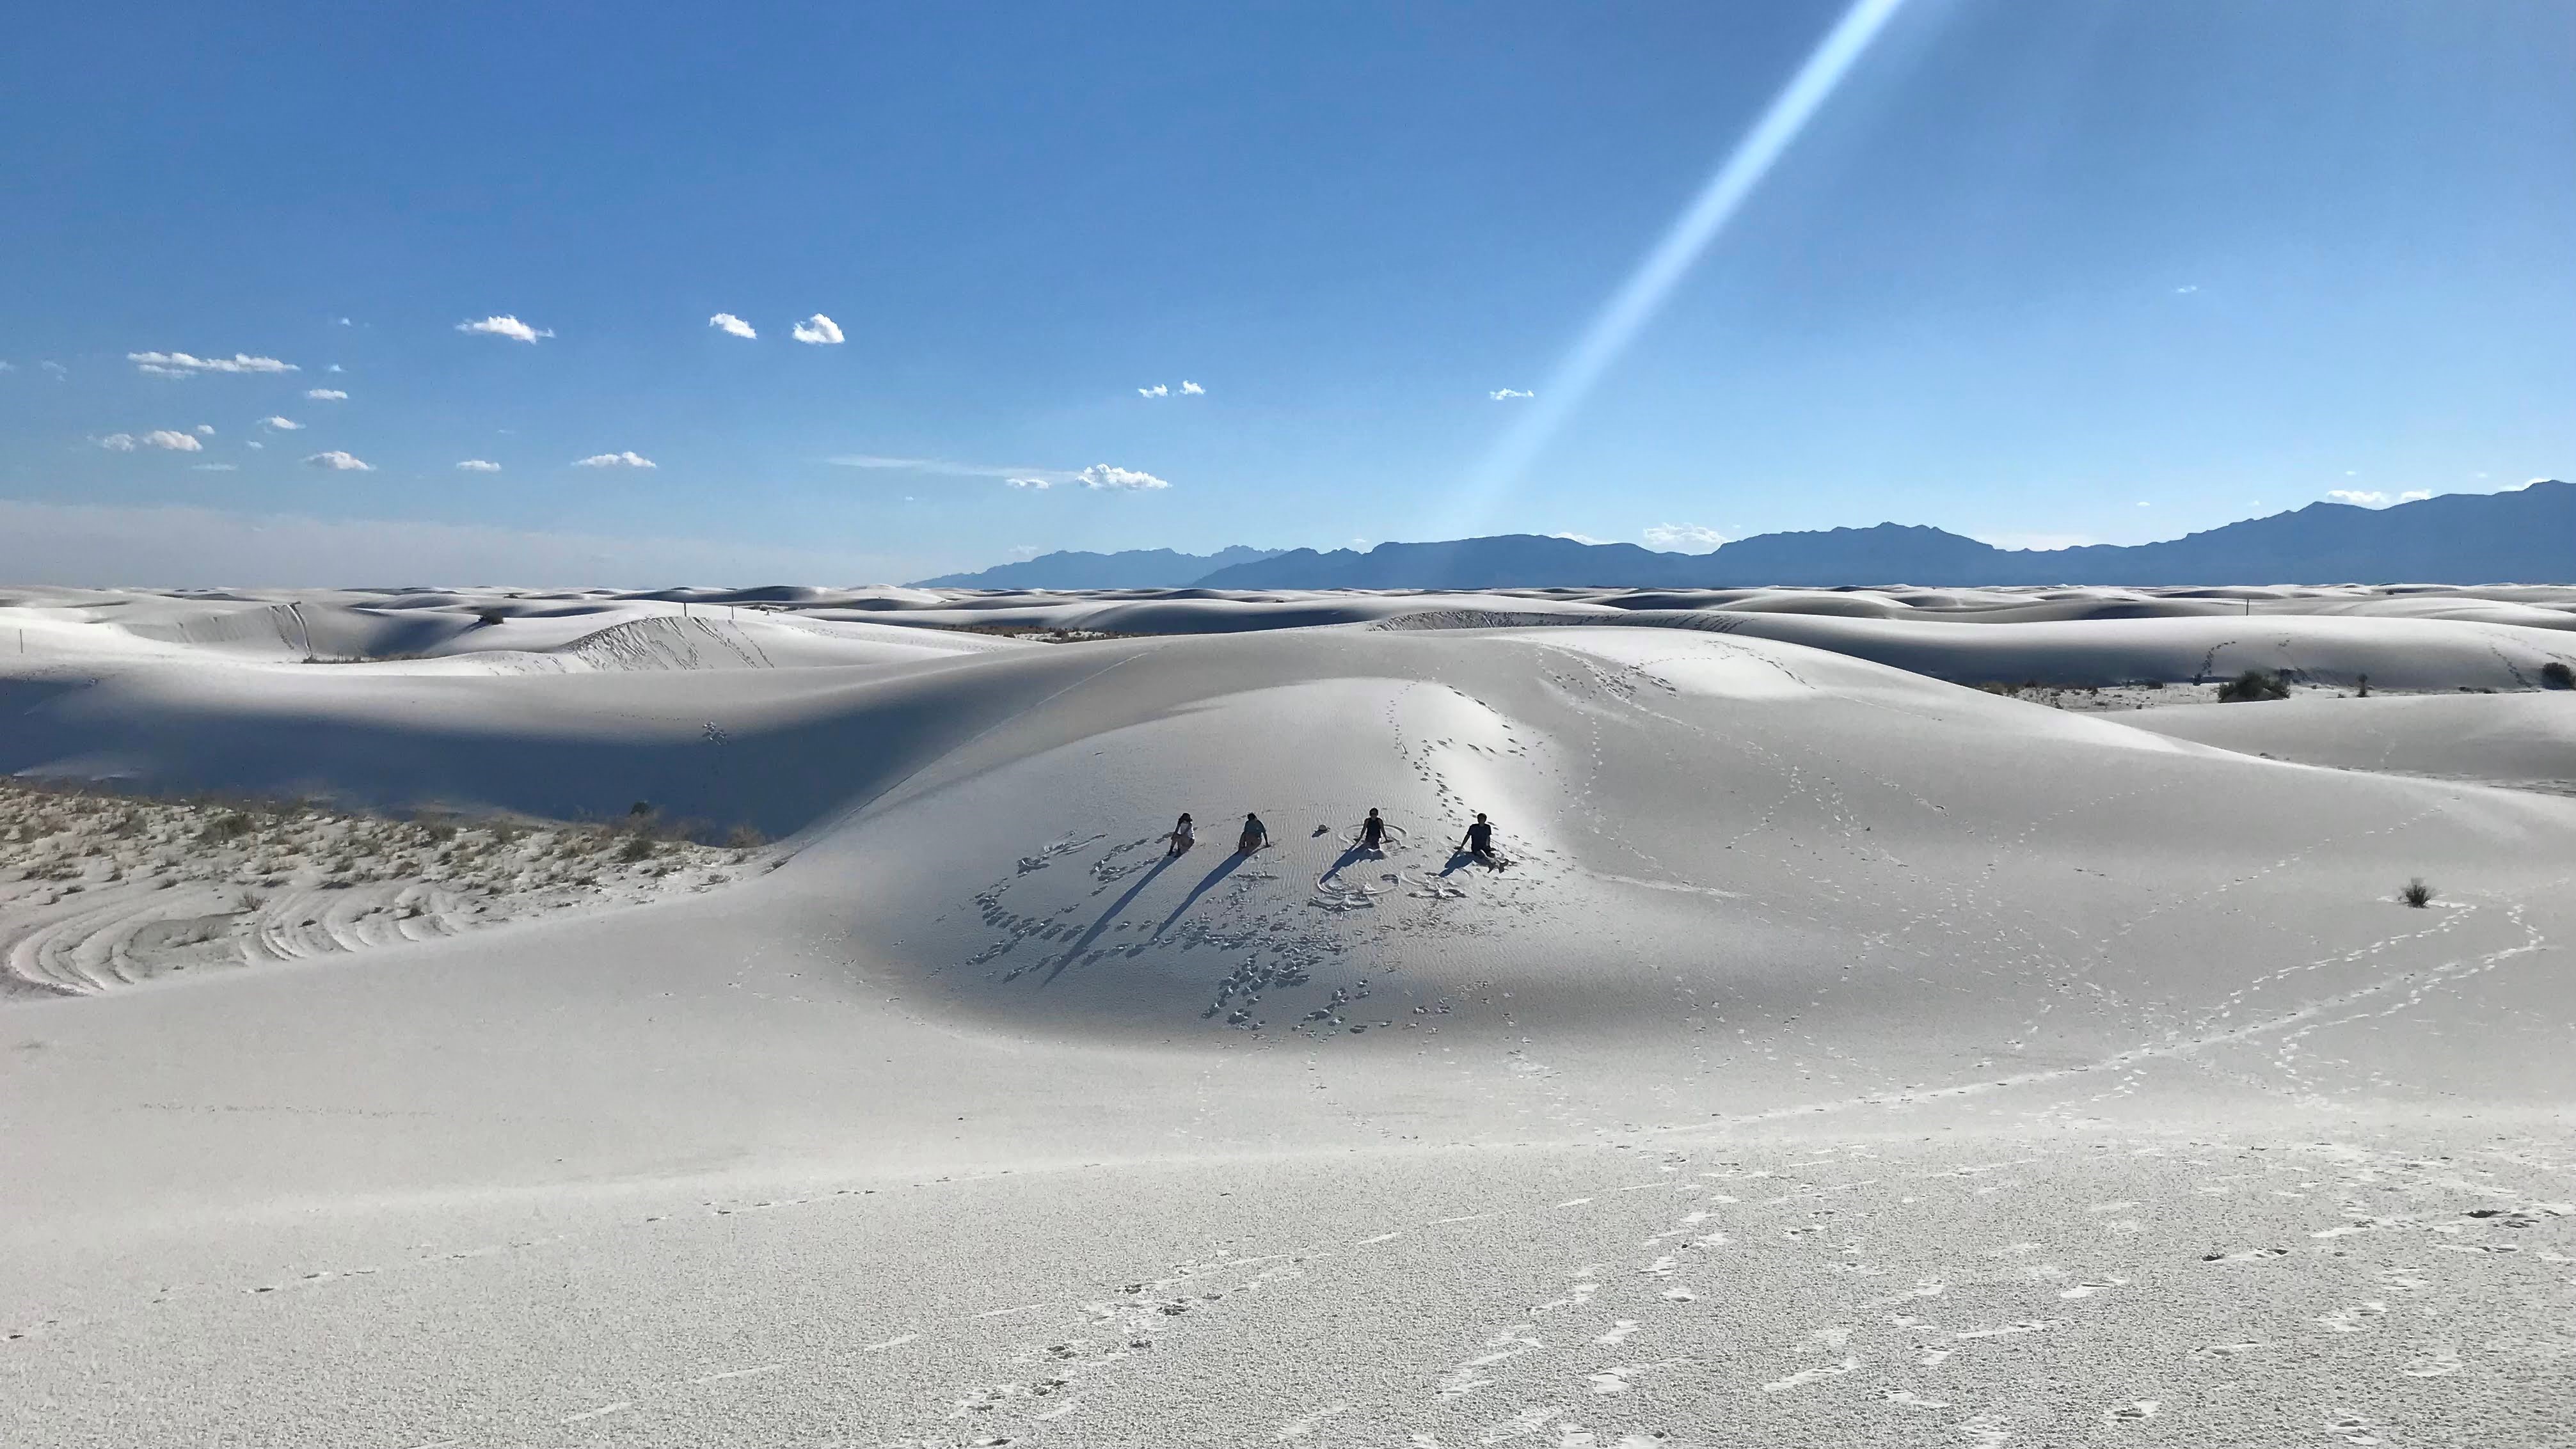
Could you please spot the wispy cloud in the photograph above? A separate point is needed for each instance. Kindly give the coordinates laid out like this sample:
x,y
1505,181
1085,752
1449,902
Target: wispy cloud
x,y
205,430
477,465
818,329
118,442
1580,538
1157,390
166,439
214,467
1192,389
327,394
281,425
628,459
2187,289
940,466
506,326
57,369
1104,477
2373,498
181,364
1687,537
1506,394
731,325
7,366
339,462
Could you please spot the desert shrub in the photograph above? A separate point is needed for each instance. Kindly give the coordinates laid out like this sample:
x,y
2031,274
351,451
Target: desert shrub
x,y
2416,893
745,837
636,848
2556,675
231,826
2251,685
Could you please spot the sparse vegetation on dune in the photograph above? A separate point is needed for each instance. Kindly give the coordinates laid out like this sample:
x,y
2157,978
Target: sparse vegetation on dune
x,y
99,888
2416,893
2254,684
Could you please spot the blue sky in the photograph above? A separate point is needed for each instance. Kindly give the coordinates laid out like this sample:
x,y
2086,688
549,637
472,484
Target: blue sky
x,y
2061,272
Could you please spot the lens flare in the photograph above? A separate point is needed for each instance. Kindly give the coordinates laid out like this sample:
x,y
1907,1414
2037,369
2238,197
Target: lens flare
x,y
1644,293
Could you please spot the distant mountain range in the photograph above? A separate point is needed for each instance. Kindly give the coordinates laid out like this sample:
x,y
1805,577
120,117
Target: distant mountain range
x,y
2525,536
1135,568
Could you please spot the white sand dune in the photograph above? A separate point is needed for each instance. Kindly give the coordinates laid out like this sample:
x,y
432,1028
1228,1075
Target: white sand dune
x,y
1844,1056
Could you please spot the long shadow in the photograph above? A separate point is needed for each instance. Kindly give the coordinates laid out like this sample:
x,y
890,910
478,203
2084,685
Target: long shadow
x,y
1355,853
1107,916
1460,860
1206,883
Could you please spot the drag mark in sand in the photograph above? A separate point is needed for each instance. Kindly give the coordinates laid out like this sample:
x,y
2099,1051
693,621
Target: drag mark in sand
x,y
767,1368
1809,1376
895,1342
1305,1424
601,1412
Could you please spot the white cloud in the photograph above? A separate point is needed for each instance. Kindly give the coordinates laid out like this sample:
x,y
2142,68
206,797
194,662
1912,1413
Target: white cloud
x,y
1685,537
2527,483
205,430
2358,497
215,467
56,368
2187,290
338,462
628,459
345,322
175,442
1506,394
1107,476
477,465
1157,390
180,364
731,325
1192,389
2413,494
1102,476
118,442
1579,538
7,366
282,425
327,394
254,445
506,326
335,367
818,329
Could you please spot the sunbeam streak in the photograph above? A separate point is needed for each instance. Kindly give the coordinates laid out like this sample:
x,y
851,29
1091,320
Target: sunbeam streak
x,y
1642,295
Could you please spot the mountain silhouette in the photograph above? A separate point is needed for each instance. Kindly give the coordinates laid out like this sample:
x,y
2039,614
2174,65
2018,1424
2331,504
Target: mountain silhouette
x,y
1138,568
2524,536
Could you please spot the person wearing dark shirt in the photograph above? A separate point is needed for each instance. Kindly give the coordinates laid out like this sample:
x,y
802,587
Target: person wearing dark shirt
x,y
1372,831
1480,840
1182,837
1255,835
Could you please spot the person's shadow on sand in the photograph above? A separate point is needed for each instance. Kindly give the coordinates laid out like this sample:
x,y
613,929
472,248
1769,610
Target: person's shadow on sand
x,y
1109,915
1225,867
1461,859
1354,854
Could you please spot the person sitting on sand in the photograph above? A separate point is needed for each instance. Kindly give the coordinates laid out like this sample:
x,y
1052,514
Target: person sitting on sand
x,y
1372,831
1480,841
1255,835
1181,837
